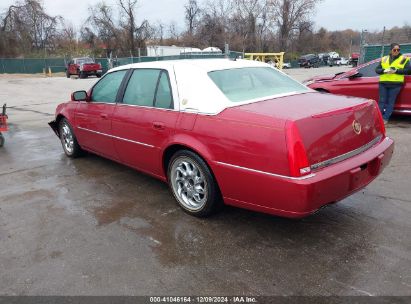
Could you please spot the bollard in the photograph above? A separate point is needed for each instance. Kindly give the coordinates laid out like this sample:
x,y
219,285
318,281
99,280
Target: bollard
x,y
49,73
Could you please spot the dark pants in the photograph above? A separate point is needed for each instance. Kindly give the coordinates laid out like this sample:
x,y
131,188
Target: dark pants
x,y
388,96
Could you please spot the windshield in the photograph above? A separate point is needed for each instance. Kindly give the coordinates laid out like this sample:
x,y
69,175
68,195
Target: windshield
x,y
244,84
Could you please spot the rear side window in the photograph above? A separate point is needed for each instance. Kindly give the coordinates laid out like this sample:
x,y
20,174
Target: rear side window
x,y
106,89
163,98
150,88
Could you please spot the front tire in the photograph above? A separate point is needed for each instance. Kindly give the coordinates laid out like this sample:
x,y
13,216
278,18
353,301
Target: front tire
x,y
193,184
68,139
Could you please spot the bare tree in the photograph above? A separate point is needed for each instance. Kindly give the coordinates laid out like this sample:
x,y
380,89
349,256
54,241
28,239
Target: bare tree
x,y
288,15
173,31
29,23
102,20
128,22
192,11
66,39
248,15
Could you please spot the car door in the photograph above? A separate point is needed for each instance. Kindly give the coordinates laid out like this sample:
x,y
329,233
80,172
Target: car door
x,y
403,102
365,86
145,120
93,117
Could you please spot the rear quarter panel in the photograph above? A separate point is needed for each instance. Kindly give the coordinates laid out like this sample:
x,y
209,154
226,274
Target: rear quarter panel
x,y
238,139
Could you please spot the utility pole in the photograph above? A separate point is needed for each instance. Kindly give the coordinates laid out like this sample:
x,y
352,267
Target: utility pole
x,y
382,43
362,44
349,55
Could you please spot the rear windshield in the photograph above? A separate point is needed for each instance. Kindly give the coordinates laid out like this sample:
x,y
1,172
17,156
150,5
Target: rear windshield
x,y
244,84
85,60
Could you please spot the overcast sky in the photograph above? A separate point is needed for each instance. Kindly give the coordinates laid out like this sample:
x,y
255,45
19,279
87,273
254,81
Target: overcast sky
x,y
330,14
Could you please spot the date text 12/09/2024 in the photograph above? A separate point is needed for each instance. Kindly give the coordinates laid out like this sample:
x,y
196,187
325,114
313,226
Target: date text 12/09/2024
x,y
202,299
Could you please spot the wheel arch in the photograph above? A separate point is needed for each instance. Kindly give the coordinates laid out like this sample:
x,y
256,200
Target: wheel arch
x,y
173,148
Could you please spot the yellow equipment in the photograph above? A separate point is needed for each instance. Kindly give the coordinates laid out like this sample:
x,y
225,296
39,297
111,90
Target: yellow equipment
x,y
276,58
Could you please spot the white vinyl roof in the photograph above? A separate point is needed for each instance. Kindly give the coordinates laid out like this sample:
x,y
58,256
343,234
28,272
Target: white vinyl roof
x,y
196,92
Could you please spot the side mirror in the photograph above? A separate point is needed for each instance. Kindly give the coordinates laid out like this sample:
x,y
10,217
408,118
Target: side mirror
x,y
354,75
79,96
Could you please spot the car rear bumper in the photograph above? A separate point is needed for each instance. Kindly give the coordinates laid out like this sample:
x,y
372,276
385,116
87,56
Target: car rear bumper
x,y
92,72
300,197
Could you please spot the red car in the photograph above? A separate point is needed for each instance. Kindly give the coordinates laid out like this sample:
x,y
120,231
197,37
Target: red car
x,y
361,81
83,67
238,132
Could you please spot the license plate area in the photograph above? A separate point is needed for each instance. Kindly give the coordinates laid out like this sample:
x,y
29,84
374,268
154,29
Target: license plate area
x,y
361,175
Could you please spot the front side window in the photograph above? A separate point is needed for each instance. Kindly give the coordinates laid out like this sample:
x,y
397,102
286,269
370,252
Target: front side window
x,y
244,84
369,70
150,88
106,89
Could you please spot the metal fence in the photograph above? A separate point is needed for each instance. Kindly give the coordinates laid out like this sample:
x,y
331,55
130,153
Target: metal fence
x,y
56,65
371,52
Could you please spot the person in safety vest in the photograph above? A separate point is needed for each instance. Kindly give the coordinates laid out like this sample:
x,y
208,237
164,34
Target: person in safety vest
x,y
391,70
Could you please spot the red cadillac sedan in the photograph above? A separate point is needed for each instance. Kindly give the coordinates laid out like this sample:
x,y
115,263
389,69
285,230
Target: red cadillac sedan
x,y
361,81
235,132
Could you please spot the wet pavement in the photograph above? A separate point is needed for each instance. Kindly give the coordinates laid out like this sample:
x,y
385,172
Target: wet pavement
x,y
90,226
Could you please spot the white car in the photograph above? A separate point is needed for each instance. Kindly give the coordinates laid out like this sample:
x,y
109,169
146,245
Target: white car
x,y
342,61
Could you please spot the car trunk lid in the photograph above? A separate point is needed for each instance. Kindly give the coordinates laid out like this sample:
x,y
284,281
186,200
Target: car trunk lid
x,y
331,127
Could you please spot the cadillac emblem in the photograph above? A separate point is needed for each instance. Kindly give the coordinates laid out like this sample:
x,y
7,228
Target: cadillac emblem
x,y
356,127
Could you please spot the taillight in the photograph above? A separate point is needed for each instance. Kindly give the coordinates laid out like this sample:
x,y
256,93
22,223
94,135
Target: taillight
x,y
381,120
297,156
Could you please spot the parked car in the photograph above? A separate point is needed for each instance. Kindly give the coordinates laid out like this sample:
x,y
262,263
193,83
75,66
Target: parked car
x,y
83,67
363,82
342,61
238,132
287,65
354,59
324,58
308,61
334,55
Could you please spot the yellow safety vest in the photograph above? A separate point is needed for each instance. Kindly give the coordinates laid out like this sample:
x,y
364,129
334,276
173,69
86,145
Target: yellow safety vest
x,y
398,63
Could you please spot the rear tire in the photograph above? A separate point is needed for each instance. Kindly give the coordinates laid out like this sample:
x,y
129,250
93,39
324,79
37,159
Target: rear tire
x,y
2,140
98,75
68,139
193,185
68,74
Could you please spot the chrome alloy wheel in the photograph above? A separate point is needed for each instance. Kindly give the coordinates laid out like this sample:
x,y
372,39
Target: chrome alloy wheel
x,y
67,138
189,183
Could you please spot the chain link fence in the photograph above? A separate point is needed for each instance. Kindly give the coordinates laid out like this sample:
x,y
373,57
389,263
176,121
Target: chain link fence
x,y
372,52
56,65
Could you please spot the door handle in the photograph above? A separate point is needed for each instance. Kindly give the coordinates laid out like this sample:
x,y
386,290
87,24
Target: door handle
x,y
104,116
158,126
